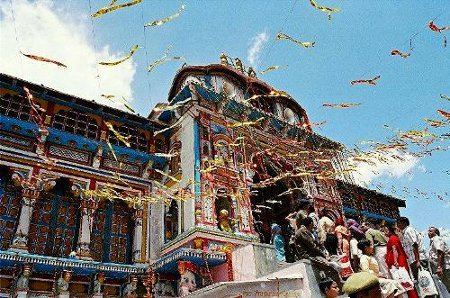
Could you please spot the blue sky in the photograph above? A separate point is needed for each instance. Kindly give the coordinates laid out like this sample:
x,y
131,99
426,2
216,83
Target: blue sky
x,y
355,44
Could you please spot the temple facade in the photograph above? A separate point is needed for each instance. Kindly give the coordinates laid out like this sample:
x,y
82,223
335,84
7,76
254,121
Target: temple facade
x,y
240,154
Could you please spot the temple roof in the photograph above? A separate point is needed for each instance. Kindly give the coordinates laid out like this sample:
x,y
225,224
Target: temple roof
x,y
373,193
89,106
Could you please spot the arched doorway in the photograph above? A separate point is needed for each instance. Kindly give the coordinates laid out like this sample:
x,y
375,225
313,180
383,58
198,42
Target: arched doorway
x,y
171,221
55,221
112,232
10,198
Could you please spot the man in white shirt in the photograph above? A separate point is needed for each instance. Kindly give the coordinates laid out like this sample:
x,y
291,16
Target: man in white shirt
x,y
412,244
439,256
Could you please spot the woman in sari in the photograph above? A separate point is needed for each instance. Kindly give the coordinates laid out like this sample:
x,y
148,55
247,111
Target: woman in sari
x,y
395,254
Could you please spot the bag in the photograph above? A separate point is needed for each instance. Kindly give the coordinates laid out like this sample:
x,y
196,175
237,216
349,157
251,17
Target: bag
x,y
425,284
346,268
441,288
401,275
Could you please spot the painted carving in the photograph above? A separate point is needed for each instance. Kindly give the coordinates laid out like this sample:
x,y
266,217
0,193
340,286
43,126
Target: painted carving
x,y
22,281
164,288
20,240
208,210
244,218
130,289
62,284
98,283
98,157
147,172
225,223
187,283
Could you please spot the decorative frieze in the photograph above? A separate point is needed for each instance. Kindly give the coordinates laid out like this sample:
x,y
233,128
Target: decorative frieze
x,y
69,154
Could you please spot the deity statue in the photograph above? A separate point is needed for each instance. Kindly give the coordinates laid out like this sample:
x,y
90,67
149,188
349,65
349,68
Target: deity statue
x,y
22,281
187,283
98,283
130,289
223,59
251,72
164,288
225,224
239,66
62,284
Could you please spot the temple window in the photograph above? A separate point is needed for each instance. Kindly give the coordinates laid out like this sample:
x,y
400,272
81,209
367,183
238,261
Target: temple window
x,y
205,133
15,107
76,123
159,145
205,149
171,221
222,152
175,159
55,222
112,230
224,211
137,140
10,198
289,116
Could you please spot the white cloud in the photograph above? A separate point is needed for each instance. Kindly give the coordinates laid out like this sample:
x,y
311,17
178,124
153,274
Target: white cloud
x,y
45,30
256,45
392,167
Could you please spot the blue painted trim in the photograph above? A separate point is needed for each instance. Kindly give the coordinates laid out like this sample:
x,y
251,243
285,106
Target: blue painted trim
x,y
106,254
196,160
377,216
79,267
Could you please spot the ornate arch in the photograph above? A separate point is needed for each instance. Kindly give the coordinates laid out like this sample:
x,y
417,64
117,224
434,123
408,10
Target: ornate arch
x,y
55,220
10,198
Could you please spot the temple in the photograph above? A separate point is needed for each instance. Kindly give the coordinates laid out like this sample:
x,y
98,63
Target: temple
x,y
242,153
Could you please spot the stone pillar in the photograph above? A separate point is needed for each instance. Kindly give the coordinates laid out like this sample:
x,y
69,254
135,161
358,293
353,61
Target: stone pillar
x,y
29,196
87,208
137,239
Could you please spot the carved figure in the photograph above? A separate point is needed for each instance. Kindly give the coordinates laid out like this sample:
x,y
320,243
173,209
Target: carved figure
x,y
98,283
223,59
130,289
164,288
22,281
251,72
20,239
238,63
225,224
187,283
62,284
98,157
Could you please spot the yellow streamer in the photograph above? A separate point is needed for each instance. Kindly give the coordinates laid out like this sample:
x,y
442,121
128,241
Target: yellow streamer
x,y
113,63
166,19
108,9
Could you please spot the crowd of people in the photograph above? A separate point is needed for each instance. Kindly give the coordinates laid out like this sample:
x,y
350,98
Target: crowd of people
x,y
392,252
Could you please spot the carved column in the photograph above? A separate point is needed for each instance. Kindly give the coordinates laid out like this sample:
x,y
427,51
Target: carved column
x,y
137,239
87,209
30,193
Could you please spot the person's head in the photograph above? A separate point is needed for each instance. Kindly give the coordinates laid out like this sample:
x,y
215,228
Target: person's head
x,y
311,209
339,221
389,229
276,229
329,287
365,226
432,231
304,204
308,223
362,285
402,222
366,247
